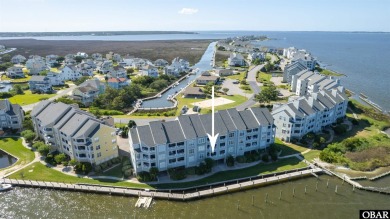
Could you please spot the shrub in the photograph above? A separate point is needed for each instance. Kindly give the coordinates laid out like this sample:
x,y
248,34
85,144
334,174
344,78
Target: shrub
x,y
265,158
98,169
124,168
73,162
128,172
50,160
28,135
230,161
355,121
177,173
241,159
83,168
59,158
43,150
143,177
340,129
316,145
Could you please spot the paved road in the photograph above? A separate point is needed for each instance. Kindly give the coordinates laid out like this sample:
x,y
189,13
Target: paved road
x,y
251,79
140,122
60,93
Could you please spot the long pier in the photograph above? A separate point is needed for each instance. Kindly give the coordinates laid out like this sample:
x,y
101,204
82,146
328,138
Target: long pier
x,y
168,194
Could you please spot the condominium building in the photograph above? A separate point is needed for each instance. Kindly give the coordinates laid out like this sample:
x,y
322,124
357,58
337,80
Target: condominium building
x,y
184,142
74,132
310,113
307,82
11,115
292,69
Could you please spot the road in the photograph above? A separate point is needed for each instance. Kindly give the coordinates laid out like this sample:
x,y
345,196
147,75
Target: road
x,y
7,51
251,79
141,121
60,93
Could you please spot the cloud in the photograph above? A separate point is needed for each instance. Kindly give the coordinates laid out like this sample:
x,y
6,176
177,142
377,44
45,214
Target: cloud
x,y
188,11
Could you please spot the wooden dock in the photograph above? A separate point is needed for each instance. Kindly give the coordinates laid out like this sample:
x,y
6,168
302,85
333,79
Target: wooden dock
x,y
143,202
167,194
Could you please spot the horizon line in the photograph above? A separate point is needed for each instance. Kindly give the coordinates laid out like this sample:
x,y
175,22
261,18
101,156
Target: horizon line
x,y
183,31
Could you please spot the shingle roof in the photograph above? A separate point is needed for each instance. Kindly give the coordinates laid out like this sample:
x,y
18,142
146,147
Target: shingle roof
x,y
74,123
187,127
145,135
87,129
52,112
249,119
134,135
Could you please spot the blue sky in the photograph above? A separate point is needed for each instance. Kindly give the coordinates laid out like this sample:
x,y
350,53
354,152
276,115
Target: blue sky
x,y
111,15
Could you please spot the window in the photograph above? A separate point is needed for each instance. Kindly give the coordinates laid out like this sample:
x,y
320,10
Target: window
x,y
231,135
191,151
241,133
99,154
180,159
96,139
172,145
256,129
172,160
201,148
98,147
222,137
201,140
201,156
222,152
247,144
231,142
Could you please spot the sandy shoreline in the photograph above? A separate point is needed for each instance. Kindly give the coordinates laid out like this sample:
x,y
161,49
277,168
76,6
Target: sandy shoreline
x,y
192,50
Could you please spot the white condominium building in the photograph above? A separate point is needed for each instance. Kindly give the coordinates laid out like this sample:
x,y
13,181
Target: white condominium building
x,y
184,142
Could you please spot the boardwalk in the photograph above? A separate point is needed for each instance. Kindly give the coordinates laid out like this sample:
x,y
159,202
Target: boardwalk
x,y
165,194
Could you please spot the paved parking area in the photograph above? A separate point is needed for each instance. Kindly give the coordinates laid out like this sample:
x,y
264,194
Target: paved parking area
x,y
234,89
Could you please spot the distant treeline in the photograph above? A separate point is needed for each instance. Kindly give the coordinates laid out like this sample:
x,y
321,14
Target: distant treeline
x,y
95,33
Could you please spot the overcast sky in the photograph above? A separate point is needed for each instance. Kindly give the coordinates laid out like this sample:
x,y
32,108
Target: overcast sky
x,y
111,15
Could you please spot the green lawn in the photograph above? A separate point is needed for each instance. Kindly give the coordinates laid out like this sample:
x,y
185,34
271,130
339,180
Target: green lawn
x,y
40,172
116,171
28,98
327,72
185,101
312,154
279,166
14,147
239,76
238,100
288,148
26,79
264,77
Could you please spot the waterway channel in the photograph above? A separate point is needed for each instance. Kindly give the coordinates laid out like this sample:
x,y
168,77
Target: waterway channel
x,y
203,65
6,159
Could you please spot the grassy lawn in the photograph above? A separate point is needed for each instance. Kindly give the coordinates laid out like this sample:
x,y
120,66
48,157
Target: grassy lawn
x,y
238,100
288,148
327,72
116,171
264,77
185,101
40,172
14,147
239,76
28,98
312,154
279,166
27,78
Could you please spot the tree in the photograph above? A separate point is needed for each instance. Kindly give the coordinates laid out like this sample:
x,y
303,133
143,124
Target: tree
x,y
17,89
37,145
159,84
78,59
44,150
153,171
130,71
59,158
230,161
60,59
81,80
6,58
73,162
225,90
243,82
27,123
322,140
131,124
5,65
28,135
208,88
267,94
43,73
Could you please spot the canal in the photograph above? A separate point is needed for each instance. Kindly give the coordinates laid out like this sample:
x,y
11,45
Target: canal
x,y
6,159
323,203
202,65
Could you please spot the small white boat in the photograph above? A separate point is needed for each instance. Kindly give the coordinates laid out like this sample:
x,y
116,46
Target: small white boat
x,y
169,97
177,83
5,187
159,95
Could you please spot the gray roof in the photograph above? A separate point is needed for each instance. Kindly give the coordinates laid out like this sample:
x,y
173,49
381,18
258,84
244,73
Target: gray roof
x,y
197,124
187,127
134,135
238,122
249,119
3,104
227,120
73,124
173,132
158,132
263,115
52,113
145,135
39,107
88,129
316,78
219,126
38,78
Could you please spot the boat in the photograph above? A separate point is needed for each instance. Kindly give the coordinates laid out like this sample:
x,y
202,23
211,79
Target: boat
x,y
2,86
5,187
159,95
169,97
177,83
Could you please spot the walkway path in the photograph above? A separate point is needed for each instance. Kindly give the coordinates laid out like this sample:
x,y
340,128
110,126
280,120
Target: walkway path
x,y
251,79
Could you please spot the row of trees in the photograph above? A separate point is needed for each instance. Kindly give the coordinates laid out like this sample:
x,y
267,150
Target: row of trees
x,y
118,99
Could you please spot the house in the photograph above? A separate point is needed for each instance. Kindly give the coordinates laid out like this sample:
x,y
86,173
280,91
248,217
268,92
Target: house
x,y
184,142
97,56
118,83
236,59
109,55
88,63
309,113
55,79
178,66
138,63
82,55
40,84
193,92
70,72
160,63
70,61
88,91
76,133
11,116
104,66
307,82
18,59
116,57
149,70
51,60
206,78
15,72
292,69
85,70
69,56
117,72
256,55
224,72
35,65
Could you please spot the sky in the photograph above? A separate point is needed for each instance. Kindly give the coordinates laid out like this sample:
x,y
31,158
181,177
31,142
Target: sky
x,y
192,15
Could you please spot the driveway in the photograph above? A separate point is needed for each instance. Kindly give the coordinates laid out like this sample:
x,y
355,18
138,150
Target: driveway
x,y
124,146
142,121
234,89
251,79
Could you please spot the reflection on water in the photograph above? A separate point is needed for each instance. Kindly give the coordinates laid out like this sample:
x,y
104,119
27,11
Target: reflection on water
x,y
6,159
324,203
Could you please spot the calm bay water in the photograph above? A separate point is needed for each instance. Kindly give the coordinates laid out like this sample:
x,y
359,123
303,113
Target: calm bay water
x,y
324,203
